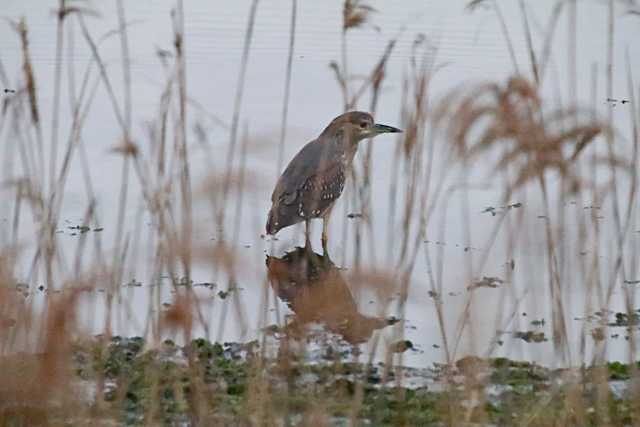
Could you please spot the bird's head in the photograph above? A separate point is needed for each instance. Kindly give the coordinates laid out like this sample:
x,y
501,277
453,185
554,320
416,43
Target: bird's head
x,y
359,125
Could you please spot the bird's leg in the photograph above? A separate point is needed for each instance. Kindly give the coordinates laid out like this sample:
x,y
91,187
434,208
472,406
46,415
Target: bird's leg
x,y
307,233
325,237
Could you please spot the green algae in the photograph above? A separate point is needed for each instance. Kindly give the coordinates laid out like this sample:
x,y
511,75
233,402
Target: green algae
x,y
218,382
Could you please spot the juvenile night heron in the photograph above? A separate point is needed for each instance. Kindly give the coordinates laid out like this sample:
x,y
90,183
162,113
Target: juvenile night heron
x,y
314,179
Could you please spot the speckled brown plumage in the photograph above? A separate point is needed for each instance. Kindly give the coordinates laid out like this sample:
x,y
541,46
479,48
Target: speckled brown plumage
x,y
315,178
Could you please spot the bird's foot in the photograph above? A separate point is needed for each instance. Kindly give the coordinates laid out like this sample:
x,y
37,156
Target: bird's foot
x,y
307,245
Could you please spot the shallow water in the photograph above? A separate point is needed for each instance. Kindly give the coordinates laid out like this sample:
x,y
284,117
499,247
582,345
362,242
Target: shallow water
x,y
471,48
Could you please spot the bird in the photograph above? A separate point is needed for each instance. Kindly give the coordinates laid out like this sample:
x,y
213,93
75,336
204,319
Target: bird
x,y
314,179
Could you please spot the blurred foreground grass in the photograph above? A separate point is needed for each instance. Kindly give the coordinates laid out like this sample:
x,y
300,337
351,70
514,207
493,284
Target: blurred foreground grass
x,y
134,384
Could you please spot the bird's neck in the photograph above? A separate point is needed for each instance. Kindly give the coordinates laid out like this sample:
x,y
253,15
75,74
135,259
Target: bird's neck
x,y
349,153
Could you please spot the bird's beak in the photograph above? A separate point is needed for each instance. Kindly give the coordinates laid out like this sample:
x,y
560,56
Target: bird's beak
x,y
378,129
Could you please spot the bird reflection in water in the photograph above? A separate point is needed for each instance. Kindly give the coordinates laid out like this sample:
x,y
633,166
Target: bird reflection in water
x,y
315,290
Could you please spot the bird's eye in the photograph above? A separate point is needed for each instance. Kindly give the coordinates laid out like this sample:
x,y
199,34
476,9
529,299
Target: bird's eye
x,y
363,125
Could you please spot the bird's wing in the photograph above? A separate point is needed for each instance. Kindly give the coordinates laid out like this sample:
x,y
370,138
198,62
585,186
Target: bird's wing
x,y
321,191
308,187
311,161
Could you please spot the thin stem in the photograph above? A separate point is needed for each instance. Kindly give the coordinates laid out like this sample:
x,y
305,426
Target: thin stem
x,y
236,109
287,84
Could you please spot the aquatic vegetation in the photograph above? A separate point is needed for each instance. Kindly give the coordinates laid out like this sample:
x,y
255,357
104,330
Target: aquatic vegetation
x,y
145,384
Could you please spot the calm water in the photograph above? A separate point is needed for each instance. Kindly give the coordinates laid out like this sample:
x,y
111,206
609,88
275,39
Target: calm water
x,y
471,48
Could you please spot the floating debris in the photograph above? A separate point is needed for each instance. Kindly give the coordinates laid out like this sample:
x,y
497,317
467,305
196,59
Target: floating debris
x,y
486,282
205,285
613,319
81,228
626,319
501,209
184,281
401,346
613,101
354,215
491,210
530,336
133,283
538,323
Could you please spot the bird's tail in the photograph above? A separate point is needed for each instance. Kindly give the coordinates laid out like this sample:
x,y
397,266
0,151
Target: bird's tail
x,y
271,223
